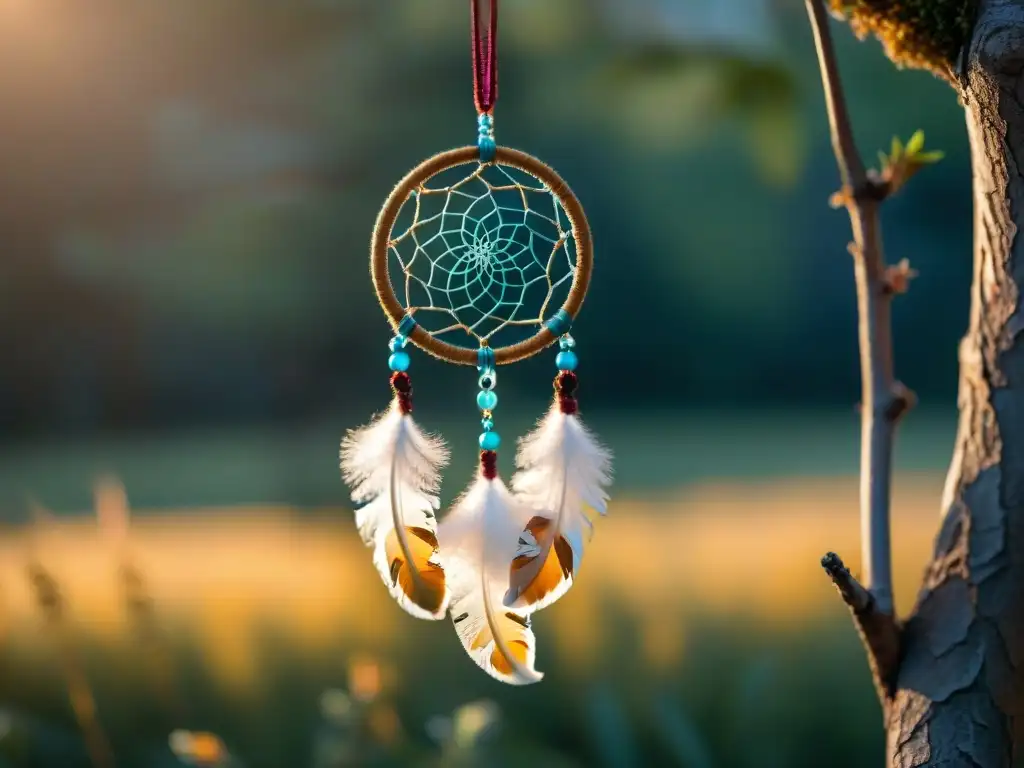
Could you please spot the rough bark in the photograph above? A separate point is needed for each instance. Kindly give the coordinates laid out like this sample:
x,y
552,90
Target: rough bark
x,y
960,684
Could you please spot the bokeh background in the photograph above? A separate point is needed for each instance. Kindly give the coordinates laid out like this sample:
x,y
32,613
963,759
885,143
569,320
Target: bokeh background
x,y
187,191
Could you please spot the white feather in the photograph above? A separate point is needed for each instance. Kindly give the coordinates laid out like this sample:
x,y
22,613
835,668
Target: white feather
x,y
563,474
478,539
393,469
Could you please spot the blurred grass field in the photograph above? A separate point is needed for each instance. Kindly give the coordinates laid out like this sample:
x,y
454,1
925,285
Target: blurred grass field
x,y
701,632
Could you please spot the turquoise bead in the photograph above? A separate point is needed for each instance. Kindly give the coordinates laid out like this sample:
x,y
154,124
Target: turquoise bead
x,y
487,424
487,399
399,361
397,343
566,360
487,148
489,441
567,342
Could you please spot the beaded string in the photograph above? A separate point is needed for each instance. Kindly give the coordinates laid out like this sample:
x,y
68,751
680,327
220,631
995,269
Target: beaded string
x,y
398,362
566,381
487,401
484,46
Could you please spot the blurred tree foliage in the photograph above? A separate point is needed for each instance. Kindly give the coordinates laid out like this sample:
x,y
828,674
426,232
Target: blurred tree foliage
x,y
188,190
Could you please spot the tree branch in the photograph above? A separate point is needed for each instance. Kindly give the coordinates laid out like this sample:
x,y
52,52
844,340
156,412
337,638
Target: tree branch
x,y
885,399
878,629
851,168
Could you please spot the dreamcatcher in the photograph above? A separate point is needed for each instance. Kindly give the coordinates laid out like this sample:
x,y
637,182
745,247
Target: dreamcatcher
x,y
480,256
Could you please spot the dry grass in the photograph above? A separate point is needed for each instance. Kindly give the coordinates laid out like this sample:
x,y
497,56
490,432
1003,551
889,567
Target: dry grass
x,y
217,576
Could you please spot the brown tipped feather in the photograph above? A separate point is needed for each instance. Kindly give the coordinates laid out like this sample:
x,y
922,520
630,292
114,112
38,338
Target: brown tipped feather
x,y
515,629
536,574
427,591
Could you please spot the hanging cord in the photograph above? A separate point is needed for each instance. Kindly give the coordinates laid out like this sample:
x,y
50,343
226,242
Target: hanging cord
x,y
485,73
485,56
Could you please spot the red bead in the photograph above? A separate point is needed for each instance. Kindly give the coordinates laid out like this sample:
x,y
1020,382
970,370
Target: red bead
x,y
401,385
401,382
568,405
489,464
566,383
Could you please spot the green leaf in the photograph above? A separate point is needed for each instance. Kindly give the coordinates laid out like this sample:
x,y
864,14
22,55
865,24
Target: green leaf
x,y
905,161
897,149
916,143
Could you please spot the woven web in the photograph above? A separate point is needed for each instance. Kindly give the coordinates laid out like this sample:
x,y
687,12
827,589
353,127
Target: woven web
x,y
484,251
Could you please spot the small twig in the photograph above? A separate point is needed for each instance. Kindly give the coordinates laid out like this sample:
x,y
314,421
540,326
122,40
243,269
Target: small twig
x,y
879,631
884,399
853,594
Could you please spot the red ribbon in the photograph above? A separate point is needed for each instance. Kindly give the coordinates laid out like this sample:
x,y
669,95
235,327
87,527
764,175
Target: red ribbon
x,y
485,56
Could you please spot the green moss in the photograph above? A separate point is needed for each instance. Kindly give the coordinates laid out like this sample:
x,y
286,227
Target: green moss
x,y
923,34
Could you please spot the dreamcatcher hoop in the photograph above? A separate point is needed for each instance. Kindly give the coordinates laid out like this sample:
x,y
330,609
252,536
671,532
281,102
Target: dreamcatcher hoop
x,y
382,241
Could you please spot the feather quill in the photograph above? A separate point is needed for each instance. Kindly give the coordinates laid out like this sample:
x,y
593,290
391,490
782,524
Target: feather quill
x,y
478,538
393,470
563,474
